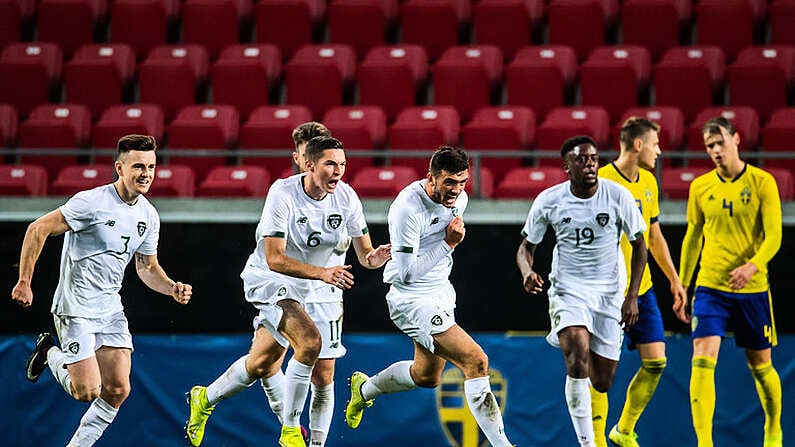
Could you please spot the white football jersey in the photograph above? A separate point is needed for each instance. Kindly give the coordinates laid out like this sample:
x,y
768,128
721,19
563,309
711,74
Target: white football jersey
x,y
326,293
587,254
104,233
417,224
312,228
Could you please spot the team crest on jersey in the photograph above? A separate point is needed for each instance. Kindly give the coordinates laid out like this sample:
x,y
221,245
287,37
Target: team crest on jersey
x,y
334,221
745,196
141,228
455,211
73,347
602,219
282,291
436,320
458,424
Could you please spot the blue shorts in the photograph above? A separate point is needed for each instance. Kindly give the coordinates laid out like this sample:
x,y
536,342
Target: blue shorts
x,y
749,314
649,328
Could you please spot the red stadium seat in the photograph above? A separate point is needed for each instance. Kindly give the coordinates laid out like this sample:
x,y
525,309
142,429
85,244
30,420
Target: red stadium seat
x,y
171,76
10,22
676,181
501,128
319,75
761,78
143,24
404,68
689,78
778,136
51,126
434,24
173,181
655,24
527,183
565,122
580,24
785,182
271,127
383,183
70,23
245,75
8,126
203,127
362,24
507,24
214,23
99,75
485,181
75,178
782,16
120,120
423,129
615,77
539,77
358,127
745,120
476,70
23,180
305,17
672,128
715,17
235,181
30,74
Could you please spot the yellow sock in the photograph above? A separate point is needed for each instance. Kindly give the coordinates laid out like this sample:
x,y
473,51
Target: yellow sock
x,y
702,398
768,385
639,392
599,406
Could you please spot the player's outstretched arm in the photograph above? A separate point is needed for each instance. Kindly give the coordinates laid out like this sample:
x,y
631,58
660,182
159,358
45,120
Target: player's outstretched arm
x,y
531,281
369,257
153,275
50,224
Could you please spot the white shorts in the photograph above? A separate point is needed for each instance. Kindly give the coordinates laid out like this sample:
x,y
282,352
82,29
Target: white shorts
x,y
599,314
81,337
328,319
421,315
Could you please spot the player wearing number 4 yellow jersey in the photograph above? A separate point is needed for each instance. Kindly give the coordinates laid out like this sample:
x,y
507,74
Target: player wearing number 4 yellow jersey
x,y
737,210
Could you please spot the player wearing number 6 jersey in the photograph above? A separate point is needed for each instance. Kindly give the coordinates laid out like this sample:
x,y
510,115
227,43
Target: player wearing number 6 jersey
x,y
736,209
104,228
587,304
304,219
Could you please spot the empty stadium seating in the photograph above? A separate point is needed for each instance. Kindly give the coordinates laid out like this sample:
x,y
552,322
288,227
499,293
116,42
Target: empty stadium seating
x,y
782,16
70,23
23,180
689,78
501,128
30,74
778,136
715,17
171,75
423,129
271,127
615,77
235,181
318,76
404,68
383,182
304,17
98,75
362,24
655,24
539,77
507,24
75,178
485,183
580,24
358,127
143,24
120,120
203,127
785,182
214,24
244,76
8,126
434,24
676,181
173,181
55,126
565,122
476,70
762,77
527,183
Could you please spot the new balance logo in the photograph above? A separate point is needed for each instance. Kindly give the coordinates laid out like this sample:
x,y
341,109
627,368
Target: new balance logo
x,y
110,223
302,219
565,220
435,220
335,345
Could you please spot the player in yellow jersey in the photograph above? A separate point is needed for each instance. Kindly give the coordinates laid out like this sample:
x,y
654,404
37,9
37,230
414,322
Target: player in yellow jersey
x,y
737,210
639,151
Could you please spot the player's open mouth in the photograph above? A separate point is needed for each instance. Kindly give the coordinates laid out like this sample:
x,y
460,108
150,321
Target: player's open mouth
x,y
333,183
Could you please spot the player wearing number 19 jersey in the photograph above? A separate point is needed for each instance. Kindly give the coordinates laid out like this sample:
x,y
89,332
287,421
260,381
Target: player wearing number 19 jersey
x,y
736,209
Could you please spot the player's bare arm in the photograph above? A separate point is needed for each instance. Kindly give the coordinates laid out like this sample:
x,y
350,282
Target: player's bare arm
x,y
369,257
153,275
658,247
50,224
455,232
531,281
629,309
275,251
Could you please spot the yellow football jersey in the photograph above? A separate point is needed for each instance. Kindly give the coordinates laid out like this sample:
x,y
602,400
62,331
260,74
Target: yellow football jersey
x,y
644,190
741,221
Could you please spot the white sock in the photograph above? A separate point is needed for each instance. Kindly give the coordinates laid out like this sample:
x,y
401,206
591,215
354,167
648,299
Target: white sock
x,y
321,409
55,360
395,378
93,423
486,411
578,399
231,382
295,390
274,390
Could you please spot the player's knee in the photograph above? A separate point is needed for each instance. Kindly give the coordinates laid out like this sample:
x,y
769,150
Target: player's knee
x,y
577,366
115,394
310,346
601,385
654,366
477,365
427,380
85,392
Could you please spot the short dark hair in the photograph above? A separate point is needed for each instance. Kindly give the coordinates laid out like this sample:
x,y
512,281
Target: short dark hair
x,y
450,159
573,142
316,146
134,142
714,125
635,127
306,131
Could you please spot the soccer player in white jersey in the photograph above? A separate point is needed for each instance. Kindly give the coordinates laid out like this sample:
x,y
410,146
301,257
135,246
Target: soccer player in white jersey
x,y
425,226
303,221
104,228
324,307
588,275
